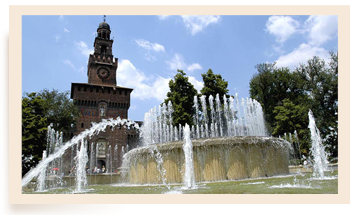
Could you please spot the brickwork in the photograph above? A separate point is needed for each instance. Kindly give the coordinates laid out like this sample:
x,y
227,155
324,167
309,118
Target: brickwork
x,y
99,99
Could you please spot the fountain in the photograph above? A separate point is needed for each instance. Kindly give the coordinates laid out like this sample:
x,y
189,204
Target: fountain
x,y
319,155
42,177
188,178
235,146
224,144
95,129
81,160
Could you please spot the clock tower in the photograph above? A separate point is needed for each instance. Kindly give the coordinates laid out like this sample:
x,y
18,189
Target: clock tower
x,y
101,98
102,66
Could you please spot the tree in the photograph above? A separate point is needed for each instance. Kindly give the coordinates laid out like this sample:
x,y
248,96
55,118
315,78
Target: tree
x,y
34,127
39,110
290,117
214,84
59,109
181,96
272,85
313,85
320,82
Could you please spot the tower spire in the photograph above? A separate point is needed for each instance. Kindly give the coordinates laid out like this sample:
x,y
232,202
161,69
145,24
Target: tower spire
x,y
104,18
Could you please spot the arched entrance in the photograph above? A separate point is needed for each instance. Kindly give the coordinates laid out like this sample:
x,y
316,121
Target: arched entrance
x,y
100,164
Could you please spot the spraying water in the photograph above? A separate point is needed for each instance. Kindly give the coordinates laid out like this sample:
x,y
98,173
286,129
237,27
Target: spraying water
x,y
94,130
92,165
218,110
197,110
81,159
320,162
42,176
188,179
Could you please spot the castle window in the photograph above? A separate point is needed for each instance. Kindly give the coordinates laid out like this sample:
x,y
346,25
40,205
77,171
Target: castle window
x,y
126,92
109,91
103,49
78,88
102,110
97,89
82,125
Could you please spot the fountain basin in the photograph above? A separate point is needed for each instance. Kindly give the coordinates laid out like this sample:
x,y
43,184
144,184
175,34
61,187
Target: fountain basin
x,y
70,181
214,159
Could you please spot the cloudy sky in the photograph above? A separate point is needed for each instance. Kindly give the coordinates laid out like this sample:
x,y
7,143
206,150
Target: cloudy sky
x,y
150,49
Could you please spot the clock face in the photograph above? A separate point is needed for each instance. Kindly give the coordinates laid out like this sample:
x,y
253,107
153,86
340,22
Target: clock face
x,y
103,73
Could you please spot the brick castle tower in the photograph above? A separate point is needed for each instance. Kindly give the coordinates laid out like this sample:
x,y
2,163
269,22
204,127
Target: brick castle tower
x,y
101,98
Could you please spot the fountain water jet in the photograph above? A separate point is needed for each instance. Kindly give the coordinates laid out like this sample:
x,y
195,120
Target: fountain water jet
x,y
235,146
94,130
81,160
42,176
320,162
189,179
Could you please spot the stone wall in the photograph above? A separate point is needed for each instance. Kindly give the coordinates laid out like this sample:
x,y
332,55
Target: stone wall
x,y
214,160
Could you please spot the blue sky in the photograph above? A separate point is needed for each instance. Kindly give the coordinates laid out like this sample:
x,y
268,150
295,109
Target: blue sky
x,y
150,49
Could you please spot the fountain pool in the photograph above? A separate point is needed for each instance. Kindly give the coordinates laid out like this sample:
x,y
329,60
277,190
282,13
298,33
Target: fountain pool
x,y
230,153
296,183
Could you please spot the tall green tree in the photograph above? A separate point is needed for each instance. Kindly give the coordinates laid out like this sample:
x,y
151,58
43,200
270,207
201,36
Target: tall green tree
x,y
59,109
290,117
271,85
213,84
181,95
313,85
39,110
34,127
320,82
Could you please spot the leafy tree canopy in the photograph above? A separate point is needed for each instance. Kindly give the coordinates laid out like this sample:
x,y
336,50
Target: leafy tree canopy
x,y
39,110
313,85
181,95
214,84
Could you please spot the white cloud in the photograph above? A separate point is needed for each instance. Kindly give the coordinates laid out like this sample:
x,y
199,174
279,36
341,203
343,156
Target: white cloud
x,y
150,57
66,30
321,29
150,46
147,87
198,23
144,87
195,24
197,84
69,63
61,18
84,48
194,66
282,27
57,38
301,55
178,62
317,29
163,17
81,69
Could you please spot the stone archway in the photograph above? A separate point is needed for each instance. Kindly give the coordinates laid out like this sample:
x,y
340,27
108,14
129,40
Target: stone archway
x,y
101,163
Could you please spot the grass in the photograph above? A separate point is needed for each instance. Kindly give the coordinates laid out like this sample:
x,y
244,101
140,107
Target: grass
x,y
291,184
